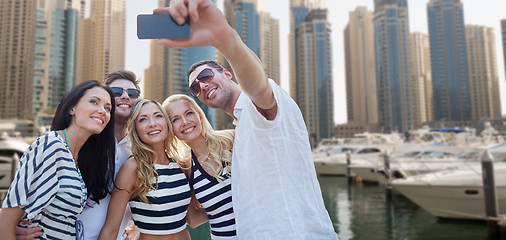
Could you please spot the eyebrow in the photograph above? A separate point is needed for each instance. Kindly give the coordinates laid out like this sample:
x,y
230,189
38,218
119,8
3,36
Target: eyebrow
x,y
94,96
145,115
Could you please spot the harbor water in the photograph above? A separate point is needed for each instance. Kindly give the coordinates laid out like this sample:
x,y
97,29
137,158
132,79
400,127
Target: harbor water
x,y
363,212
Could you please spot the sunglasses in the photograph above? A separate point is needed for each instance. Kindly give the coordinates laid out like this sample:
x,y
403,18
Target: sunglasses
x,y
132,92
204,76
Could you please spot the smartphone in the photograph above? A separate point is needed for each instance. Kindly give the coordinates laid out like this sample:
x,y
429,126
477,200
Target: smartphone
x,y
161,25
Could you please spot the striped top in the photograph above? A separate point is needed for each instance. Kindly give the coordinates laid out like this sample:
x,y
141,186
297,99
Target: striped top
x,y
48,187
166,213
216,198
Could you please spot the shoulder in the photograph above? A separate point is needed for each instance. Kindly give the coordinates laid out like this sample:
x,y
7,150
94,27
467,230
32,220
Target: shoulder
x,y
130,165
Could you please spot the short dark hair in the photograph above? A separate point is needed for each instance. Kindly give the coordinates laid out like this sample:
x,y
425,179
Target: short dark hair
x,y
123,74
96,157
211,63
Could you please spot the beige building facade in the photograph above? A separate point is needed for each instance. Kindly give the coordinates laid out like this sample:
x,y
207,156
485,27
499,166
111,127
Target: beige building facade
x,y
361,98
103,40
421,79
483,76
17,51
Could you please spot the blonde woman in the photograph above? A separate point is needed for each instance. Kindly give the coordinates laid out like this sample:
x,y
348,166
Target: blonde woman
x,y
211,156
151,181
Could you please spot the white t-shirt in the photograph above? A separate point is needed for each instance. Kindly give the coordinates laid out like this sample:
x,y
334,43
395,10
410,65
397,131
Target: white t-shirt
x,y
275,190
93,217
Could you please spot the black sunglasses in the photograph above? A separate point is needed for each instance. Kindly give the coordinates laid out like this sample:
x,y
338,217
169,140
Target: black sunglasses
x,y
132,92
204,76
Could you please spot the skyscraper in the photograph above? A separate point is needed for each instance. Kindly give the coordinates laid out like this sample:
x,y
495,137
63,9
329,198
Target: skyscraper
x,y
360,68
448,50
299,9
17,47
483,76
314,74
421,79
103,40
392,45
503,34
167,73
56,48
269,46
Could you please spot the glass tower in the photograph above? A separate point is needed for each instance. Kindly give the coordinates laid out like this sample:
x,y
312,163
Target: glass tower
x,y
450,78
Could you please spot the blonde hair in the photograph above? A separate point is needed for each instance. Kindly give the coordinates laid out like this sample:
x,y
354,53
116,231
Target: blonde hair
x,y
219,143
144,155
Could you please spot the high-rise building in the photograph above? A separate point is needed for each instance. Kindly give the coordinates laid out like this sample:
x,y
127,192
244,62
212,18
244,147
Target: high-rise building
x,y
421,79
18,21
269,46
103,40
313,82
55,52
258,30
361,100
483,76
503,34
392,46
167,73
299,9
448,52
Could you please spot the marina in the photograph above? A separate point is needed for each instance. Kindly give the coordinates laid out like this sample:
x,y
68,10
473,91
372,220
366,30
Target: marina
x,y
362,211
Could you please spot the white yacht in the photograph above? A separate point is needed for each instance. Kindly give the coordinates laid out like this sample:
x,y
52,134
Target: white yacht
x,y
456,193
8,163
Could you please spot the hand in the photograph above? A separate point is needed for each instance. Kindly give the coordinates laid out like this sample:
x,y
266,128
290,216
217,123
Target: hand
x,y
207,23
27,233
130,233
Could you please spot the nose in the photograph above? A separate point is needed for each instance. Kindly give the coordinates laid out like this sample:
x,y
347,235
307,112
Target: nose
x,y
124,95
151,121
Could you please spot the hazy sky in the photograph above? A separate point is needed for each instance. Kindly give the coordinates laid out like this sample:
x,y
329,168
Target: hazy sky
x,y
484,12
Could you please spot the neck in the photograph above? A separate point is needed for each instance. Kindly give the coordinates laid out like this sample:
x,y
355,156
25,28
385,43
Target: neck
x,y
76,139
120,128
199,146
159,150
229,109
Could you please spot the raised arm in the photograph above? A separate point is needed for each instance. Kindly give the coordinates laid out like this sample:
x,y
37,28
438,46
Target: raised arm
x,y
124,186
209,27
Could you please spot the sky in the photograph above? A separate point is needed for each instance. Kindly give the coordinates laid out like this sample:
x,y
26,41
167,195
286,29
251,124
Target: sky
x,y
484,12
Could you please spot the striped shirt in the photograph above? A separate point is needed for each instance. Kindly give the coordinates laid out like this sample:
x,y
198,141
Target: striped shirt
x,y
48,187
216,198
166,212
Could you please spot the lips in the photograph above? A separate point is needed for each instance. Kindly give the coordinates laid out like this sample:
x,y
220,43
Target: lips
x,y
154,132
188,130
123,105
211,92
98,119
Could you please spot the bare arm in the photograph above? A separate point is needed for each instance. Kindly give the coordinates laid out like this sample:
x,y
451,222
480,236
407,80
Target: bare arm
x,y
10,218
196,215
27,233
125,182
210,28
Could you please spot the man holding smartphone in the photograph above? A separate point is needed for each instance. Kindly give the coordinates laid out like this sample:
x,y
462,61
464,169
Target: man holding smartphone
x,y
275,190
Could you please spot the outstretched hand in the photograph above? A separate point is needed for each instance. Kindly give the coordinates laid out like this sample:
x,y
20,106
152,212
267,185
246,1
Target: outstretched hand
x,y
207,23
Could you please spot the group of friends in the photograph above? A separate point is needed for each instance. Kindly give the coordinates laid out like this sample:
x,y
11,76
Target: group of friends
x,y
112,156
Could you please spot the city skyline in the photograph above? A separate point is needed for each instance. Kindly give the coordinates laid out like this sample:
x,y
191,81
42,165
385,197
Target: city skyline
x,y
476,13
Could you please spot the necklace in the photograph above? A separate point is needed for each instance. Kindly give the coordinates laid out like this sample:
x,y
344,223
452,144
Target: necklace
x,y
66,142
84,190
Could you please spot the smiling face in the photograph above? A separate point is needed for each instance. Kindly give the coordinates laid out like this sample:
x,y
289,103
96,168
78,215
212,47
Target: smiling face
x,y
124,103
93,111
218,91
151,125
185,121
